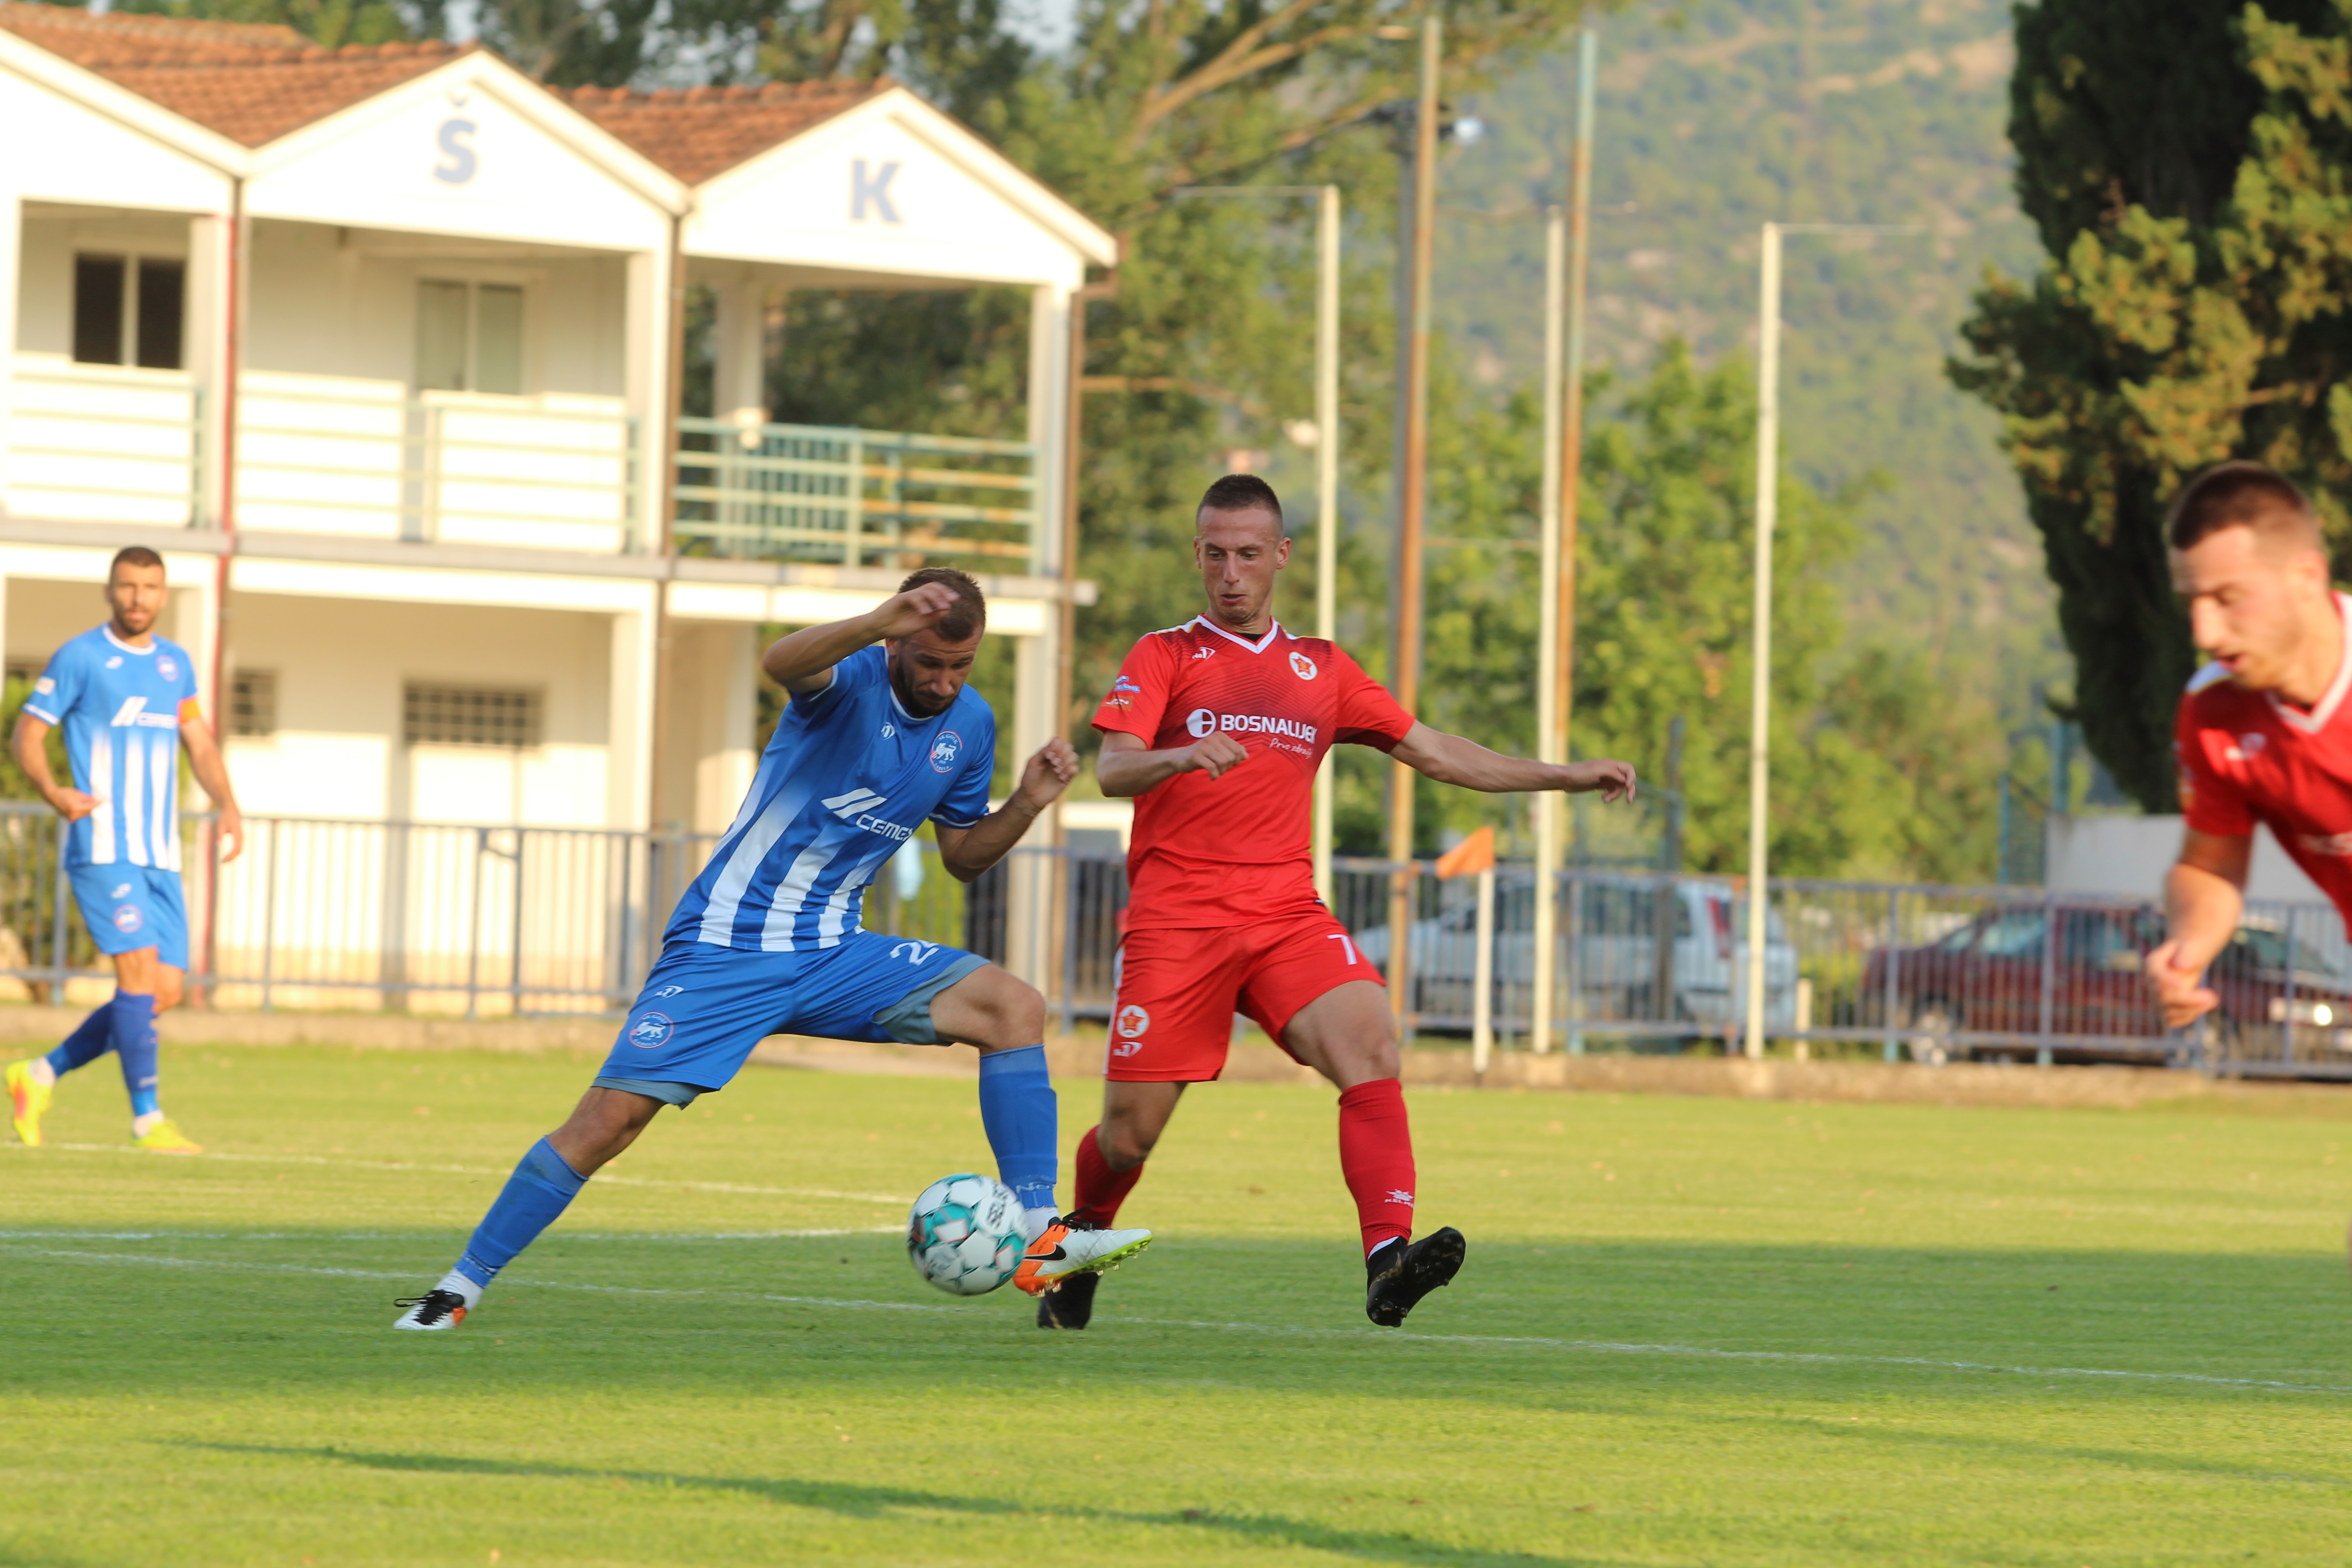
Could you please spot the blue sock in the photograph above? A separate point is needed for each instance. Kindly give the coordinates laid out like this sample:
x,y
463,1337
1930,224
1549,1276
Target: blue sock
x,y
535,1196
132,1027
91,1038
1017,1108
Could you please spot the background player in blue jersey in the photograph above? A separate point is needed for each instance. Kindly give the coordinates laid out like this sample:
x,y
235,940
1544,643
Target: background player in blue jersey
x,y
875,741
127,699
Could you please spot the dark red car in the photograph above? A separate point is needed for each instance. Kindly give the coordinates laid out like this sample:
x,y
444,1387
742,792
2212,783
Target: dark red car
x,y
1997,986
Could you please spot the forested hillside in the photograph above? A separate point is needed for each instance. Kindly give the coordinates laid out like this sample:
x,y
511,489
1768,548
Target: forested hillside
x,y
1716,116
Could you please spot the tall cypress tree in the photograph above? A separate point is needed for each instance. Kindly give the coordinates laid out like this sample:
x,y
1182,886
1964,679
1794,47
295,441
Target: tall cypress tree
x,y
2187,164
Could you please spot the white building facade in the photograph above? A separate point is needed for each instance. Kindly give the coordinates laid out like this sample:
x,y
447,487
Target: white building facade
x,y
381,349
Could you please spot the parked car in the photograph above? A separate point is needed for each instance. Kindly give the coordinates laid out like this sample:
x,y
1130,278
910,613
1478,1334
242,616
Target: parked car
x,y
1990,976
1611,960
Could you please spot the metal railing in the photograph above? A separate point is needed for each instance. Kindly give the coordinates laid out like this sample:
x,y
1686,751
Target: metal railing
x,y
854,497
489,921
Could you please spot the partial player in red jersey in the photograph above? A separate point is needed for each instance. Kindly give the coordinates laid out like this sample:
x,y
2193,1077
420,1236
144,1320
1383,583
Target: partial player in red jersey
x,y
2264,733
1217,728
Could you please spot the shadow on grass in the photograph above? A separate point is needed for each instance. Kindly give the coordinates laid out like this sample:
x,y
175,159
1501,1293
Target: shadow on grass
x,y
849,1500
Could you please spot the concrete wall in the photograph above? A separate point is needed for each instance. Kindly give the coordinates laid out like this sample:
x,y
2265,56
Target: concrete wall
x,y
2129,855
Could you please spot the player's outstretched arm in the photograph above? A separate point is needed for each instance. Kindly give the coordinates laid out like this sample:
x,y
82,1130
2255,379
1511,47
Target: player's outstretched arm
x,y
966,852
2204,893
31,744
1128,765
1450,759
802,663
211,769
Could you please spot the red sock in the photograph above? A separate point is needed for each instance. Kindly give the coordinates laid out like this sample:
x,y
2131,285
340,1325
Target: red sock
x,y
1376,1157
1100,1189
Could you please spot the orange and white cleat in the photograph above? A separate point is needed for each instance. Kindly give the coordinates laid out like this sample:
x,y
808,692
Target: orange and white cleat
x,y
1066,1249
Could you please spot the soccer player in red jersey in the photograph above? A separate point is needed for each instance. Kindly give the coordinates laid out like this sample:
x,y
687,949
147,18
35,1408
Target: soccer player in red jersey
x,y
1217,728
2264,733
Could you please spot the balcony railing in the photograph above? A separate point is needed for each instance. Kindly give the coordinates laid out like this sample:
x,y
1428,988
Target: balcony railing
x,y
369,460
97,444
854,497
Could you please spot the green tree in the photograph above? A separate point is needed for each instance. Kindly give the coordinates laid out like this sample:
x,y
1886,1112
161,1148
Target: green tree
x,y
332,23
2188,170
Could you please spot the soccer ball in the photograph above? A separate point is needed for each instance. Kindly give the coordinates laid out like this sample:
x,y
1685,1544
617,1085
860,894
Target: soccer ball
x,y
964,1235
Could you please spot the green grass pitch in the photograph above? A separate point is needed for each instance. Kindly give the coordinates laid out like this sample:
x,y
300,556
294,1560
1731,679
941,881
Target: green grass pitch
x,y
1690,1332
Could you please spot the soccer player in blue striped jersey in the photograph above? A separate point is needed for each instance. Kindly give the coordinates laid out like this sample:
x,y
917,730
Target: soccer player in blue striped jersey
x,y
127,699
875,740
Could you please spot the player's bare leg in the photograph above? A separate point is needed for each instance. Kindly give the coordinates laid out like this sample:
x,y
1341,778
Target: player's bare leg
x,y
1347,1036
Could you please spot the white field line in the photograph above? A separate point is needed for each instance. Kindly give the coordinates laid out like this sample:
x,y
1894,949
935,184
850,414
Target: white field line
x,y
601,1180
1586,1347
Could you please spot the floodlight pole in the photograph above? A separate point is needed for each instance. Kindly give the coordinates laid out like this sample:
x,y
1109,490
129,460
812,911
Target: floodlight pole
x,y
1568,249
1767,507
1326,489
1760,700
1405,678
1326,455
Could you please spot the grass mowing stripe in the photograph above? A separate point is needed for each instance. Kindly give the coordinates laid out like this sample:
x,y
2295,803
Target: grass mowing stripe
x,y
1590,1347
475,1170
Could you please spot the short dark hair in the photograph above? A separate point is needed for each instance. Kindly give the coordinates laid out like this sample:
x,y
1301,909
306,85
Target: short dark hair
x,y
132,555
969,618
1243,492
2239,494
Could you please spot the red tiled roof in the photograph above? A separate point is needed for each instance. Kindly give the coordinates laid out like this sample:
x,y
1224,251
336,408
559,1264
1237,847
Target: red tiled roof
x,y
695,133
253,83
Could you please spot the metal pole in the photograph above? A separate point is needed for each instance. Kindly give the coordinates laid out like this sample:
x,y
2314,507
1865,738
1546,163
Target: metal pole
x,y
2049,973
1406,678
1482,1004
1549,747
2287,1019
1571,422
1892,1048
1759,708
270,917
1326,487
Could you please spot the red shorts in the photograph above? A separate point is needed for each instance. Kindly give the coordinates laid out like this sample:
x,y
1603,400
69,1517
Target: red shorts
x,y
1179,990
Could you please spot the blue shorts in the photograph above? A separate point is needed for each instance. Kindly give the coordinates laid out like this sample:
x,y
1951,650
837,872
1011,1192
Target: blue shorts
x,y
130,907
705,1006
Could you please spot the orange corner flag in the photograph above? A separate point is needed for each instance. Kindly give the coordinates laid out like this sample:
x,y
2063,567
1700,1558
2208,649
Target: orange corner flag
x,y
1472,856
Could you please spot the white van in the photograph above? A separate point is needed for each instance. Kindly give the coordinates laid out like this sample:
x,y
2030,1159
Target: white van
x,y
1609,960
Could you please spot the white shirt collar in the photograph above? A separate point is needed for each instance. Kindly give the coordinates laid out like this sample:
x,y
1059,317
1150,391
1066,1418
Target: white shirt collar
x,y
1273,630
2315,720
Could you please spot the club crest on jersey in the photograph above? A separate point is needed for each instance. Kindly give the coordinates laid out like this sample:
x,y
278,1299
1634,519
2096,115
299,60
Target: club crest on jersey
x,y
1133,1020
1302,667
167,668
945,750
651,1032
1200,723
126,919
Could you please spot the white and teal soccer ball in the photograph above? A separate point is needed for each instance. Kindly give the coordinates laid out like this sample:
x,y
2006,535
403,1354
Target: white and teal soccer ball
x,y
964,1235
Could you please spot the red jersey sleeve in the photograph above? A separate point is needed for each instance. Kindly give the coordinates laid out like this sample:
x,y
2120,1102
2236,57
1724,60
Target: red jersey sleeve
x,y
1139,696
2210,801
1369,715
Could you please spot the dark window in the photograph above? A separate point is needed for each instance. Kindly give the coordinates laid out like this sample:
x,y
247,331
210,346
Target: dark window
x,y
98,309
163,290
435,714
253,704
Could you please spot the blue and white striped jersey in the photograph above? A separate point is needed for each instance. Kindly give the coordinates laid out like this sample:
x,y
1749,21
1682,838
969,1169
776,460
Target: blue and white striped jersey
x,y
120,707
848,777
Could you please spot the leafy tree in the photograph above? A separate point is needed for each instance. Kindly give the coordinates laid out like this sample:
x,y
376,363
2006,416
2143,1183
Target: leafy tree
x,y
2188,170
332,23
